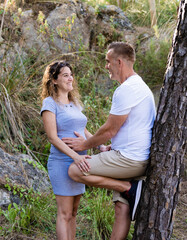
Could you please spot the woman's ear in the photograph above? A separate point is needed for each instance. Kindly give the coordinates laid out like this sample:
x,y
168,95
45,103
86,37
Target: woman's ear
x,y
54,82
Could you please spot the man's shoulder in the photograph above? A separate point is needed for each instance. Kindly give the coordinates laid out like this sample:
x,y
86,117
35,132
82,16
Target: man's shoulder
x,y
134,79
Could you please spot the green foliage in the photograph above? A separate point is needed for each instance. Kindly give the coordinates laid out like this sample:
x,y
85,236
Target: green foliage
x,y
20,120
96,215
138,12
92,80
98,208
18,217
166,11
151,65
65,30
35,212
101,40
43,25
35,164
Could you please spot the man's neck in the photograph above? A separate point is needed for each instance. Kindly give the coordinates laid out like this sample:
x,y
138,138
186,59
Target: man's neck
x,y
126,75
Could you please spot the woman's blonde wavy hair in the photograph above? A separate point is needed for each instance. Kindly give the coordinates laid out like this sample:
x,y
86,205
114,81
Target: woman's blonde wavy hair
x,y
48,88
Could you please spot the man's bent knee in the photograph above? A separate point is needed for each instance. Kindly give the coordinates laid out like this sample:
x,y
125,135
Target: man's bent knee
x,y
74,172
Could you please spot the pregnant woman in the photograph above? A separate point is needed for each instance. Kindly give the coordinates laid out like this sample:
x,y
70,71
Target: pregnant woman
x,y
62,115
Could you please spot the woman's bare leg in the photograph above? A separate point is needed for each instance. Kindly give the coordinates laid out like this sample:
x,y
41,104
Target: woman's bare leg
x,y
66,216
74,214
98,181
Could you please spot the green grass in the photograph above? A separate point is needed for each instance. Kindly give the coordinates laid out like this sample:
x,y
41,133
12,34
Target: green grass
x,y
36,216
138,11
97,208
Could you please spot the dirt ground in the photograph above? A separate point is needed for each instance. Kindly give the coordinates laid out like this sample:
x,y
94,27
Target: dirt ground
x,y
180,224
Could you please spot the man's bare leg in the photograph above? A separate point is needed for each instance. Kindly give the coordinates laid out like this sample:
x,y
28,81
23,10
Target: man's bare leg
x,y
98,181
122,222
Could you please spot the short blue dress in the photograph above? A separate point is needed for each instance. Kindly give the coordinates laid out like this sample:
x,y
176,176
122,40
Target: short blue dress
x,y
69,118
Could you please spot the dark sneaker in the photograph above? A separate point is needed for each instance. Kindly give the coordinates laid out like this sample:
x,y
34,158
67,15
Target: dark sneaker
x,y
133,196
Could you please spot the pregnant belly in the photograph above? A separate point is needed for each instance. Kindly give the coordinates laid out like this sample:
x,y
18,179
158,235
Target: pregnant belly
x,y
71,134
54,150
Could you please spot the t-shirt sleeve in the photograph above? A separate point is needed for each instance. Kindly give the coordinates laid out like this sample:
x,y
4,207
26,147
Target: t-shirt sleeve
x,y
121,101
48,105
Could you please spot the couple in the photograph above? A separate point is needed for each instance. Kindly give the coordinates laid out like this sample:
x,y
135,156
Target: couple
x,y
129,126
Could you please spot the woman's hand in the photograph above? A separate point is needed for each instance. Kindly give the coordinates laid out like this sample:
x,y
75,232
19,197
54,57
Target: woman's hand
x,y
82,163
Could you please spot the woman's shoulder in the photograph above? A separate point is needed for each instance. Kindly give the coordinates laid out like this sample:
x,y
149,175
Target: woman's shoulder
x,y
49,105
49,100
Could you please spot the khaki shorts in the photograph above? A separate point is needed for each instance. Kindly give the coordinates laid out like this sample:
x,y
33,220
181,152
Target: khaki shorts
x,y
114,165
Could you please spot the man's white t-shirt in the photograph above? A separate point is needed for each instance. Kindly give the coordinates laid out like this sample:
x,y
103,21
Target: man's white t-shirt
x,y
133,97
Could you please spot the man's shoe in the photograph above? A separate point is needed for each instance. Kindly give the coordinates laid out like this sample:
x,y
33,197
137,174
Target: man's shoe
x,y
133,196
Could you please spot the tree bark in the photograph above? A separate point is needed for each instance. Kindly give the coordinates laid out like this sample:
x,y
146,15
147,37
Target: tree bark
x,y
152,6
160,194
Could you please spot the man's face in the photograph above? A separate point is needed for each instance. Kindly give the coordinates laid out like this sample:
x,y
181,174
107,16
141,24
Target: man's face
x,y
112,65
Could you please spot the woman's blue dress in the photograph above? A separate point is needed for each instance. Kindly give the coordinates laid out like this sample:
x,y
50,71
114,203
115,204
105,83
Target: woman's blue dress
x,y
69,118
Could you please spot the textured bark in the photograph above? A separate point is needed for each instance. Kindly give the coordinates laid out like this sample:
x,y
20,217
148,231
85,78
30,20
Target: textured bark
x,y
160,194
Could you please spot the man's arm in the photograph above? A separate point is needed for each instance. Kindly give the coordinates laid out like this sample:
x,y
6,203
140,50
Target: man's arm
x,y
108,130
87,133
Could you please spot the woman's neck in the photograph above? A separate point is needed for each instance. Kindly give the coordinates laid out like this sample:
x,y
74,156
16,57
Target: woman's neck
x,y
62,97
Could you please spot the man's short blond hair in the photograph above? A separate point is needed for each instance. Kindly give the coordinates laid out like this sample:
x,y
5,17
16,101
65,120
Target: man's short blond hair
x,y
124,50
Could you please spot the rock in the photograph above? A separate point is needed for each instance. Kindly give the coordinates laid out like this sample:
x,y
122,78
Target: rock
x,y
114,15
9,55
1,39
20,171
30,34
70,31
4,197
70,26
112,23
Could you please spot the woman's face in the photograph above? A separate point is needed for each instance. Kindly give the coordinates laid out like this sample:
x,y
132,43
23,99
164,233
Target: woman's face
x,y
64,81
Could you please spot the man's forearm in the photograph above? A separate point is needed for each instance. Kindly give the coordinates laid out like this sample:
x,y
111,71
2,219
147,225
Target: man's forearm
x,y
105,133
100,137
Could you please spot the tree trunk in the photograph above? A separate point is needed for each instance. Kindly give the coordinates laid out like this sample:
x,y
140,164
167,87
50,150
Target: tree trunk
x,y
160,194
152,5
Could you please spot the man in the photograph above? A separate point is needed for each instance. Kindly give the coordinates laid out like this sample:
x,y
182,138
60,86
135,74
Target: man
x,y
129,126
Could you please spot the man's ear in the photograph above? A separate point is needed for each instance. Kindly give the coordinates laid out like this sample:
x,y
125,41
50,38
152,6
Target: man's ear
x,y
119,61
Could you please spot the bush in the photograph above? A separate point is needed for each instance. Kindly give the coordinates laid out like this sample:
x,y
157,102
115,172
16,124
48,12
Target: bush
x,y
36,215
151,64
138,12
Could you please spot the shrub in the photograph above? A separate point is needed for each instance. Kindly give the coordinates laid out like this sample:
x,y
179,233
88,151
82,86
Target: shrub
x,y
151,64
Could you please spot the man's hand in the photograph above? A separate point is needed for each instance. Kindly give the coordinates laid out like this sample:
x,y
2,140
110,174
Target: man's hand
x,y
104,148
77,144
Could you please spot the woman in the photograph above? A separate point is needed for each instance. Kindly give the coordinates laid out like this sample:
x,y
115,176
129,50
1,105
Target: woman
x,y
61,114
